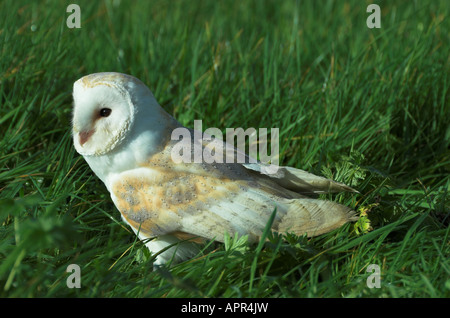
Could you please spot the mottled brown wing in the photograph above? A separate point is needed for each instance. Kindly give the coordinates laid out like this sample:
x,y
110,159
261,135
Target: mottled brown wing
x,y
207,200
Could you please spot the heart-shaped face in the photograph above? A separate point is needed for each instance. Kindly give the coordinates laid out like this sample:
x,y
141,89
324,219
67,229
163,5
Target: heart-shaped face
x,y
103,112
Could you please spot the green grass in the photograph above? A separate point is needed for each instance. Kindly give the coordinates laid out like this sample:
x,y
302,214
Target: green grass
x,y
369,107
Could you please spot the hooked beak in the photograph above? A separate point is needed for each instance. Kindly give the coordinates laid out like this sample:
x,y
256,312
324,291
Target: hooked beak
x,y
85,135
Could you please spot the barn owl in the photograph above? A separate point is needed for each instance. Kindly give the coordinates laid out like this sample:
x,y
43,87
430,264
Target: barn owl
x,y
125,137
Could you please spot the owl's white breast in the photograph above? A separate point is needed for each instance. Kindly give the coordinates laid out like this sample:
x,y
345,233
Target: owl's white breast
x,y
136,150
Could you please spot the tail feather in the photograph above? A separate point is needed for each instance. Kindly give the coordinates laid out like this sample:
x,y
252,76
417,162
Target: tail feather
x,y
313,217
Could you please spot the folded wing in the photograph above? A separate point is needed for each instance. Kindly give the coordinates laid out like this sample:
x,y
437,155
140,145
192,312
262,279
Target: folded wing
x,y
207,200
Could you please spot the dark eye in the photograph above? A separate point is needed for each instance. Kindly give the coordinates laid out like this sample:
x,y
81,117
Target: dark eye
x,y
105,112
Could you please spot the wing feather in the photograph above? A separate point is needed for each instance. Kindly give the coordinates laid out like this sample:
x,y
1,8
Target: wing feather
x,y
299,180
207,200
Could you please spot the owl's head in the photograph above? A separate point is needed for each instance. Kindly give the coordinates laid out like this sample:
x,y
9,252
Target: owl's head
x,y
105,108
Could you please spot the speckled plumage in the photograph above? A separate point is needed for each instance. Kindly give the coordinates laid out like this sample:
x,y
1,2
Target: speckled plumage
x,y
130,151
